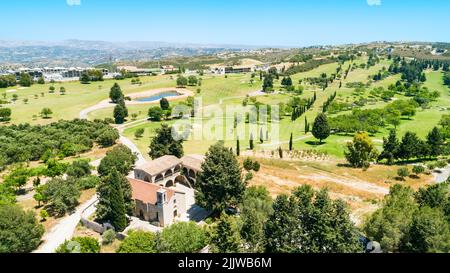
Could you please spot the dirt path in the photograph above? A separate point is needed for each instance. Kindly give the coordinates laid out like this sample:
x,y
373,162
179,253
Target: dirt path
x,y
348,182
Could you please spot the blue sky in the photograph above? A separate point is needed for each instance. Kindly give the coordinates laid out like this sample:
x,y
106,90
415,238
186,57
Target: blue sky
x,y
252,22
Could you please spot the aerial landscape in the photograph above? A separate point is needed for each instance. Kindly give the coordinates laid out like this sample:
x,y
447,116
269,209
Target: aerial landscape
x,y
232,137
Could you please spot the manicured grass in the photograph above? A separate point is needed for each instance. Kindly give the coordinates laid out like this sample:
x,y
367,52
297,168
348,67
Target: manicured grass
x,y
231,90
78,96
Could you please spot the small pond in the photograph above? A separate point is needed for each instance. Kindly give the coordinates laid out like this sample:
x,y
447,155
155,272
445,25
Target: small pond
x,y
159,96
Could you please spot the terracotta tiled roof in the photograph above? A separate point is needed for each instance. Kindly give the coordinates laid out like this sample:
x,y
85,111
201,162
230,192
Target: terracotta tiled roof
x,y
193,161
147,192
160,165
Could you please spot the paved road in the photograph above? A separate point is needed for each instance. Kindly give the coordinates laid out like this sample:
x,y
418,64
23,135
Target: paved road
x,y
64,229
442,175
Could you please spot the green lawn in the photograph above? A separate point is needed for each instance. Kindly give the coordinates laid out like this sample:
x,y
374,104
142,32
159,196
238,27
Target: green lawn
x,y
78,96
231,90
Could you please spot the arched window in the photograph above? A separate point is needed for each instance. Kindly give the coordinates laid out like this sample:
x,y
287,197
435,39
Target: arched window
x,y
159,177
168,173
169,184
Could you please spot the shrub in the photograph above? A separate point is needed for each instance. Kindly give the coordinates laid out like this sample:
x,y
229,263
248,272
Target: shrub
x,y
418,169
108,237
88,182
441,164
44,214
79,245
403,172
138,242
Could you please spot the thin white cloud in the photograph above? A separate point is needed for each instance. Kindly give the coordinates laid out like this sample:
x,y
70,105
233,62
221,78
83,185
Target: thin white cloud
x,y
73,2
374,2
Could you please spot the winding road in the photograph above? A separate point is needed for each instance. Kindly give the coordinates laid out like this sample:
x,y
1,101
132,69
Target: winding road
x,y
66,226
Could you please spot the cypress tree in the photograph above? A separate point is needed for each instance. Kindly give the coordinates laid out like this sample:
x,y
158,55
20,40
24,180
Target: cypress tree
x,y
238,148
321,129
111,200
306,126
252,146
261,136
280,152
116,93
290,142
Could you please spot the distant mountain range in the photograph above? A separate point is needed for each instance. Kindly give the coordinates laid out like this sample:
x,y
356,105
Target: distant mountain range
x,y
87,53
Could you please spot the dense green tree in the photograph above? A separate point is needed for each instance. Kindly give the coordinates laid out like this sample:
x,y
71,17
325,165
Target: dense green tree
x,y
155,113
410,146
41,80
20,231
115,93
164,103
79,168
390,148
361,151
310,222
120,158
79,245
165,144
25,80
138,242
321,129
18,177
120,114
85,79
390,222
268,83
5,114
31,142
111,206
327,223
192,80
183,237
182,81
7,195
286,81
255,208
139,133
220,184
429,232
108,137
46,112
61,195
435,142
435,196
224,237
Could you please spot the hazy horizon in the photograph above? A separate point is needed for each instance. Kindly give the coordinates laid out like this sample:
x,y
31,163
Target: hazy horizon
x,y
232,22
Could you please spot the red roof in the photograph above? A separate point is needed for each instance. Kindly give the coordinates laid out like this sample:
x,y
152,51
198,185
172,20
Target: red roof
x,y
147,192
